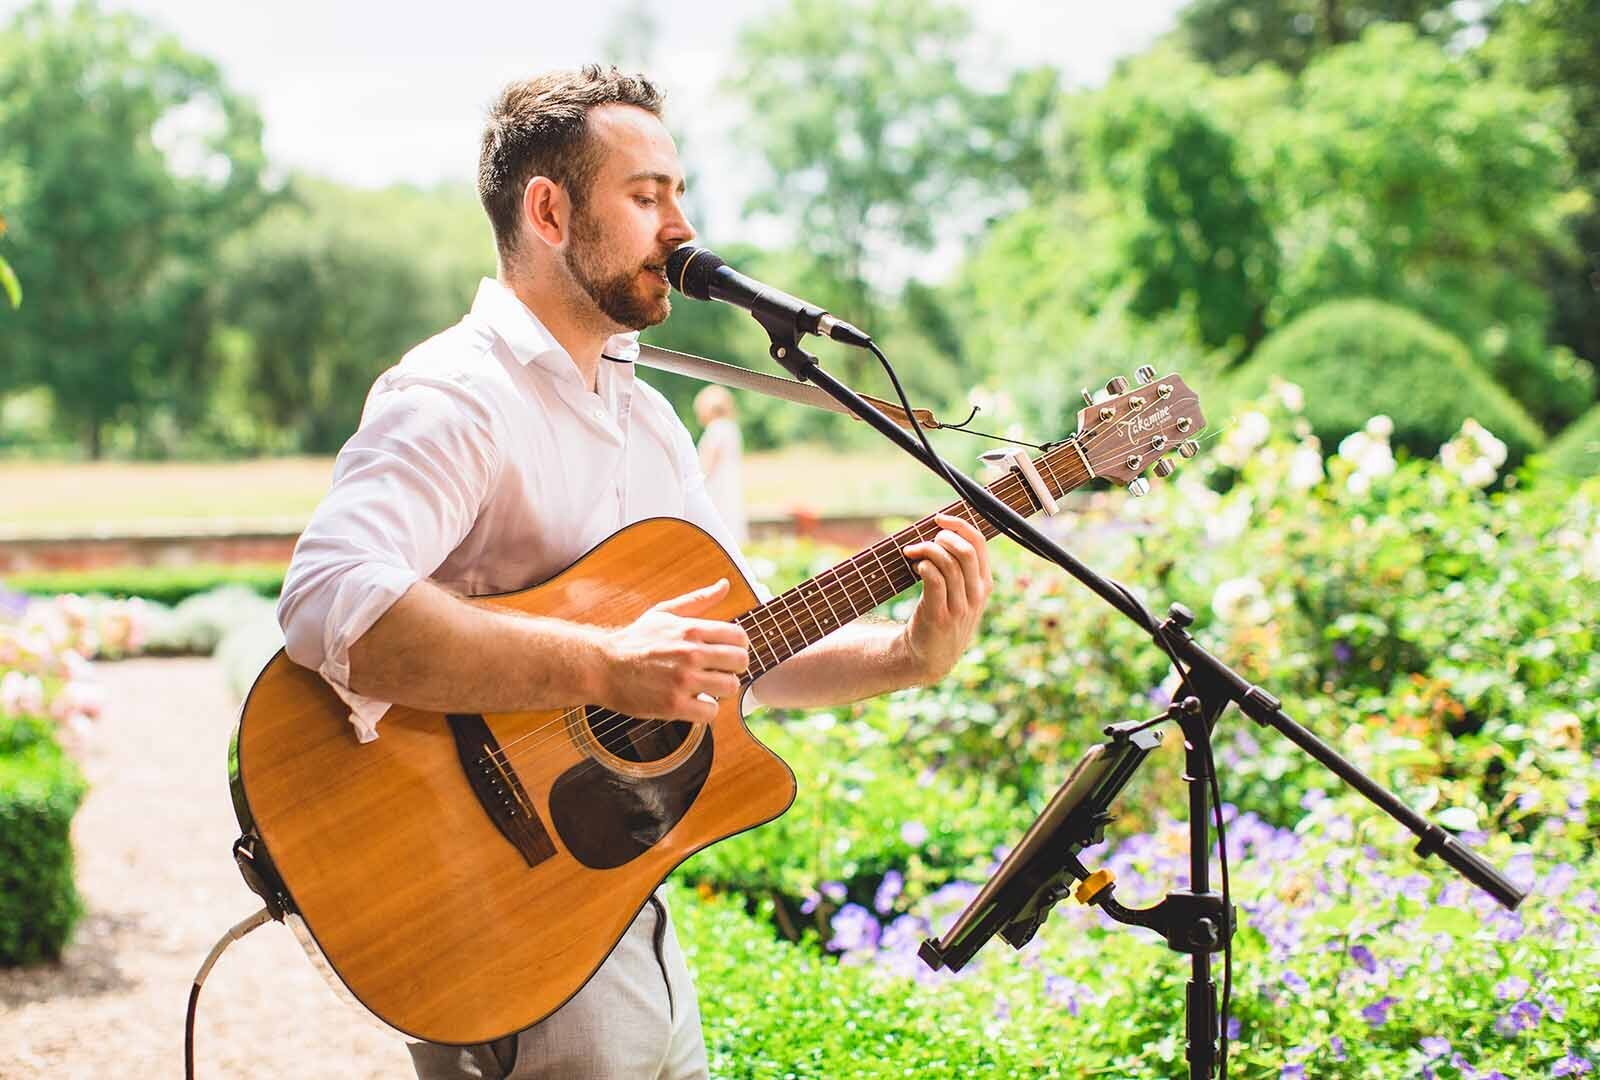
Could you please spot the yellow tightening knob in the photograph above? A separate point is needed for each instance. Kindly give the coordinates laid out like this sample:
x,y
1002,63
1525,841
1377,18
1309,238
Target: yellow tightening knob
x,y
1093,885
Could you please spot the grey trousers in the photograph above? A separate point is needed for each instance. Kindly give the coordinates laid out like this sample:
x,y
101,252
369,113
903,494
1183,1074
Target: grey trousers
x,y
636,1019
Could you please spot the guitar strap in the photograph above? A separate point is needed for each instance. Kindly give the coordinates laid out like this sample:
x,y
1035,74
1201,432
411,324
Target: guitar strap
x,y
698,367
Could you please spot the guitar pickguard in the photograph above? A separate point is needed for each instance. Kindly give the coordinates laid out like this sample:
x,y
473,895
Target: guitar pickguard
x,y
606,819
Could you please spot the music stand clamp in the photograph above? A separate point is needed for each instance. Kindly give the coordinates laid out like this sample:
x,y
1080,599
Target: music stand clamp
x,y
1038,873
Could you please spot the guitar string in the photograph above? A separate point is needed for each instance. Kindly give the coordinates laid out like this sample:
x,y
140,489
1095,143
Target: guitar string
x,y
605,722
807,631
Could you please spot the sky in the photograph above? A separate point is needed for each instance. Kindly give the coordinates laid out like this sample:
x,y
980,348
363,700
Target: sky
x,y
372,94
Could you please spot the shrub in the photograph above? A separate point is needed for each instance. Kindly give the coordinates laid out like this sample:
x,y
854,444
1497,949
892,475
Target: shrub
x,y
1576,451
162,584
860,812
40,789
1358,358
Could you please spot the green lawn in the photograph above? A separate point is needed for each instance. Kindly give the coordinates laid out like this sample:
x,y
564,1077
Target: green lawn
x,y
40,496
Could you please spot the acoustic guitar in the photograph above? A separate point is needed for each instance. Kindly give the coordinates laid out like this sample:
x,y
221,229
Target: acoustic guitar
x,y
464,874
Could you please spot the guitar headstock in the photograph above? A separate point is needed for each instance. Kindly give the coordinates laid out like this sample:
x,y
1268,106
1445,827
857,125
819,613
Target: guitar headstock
x,y
1123,432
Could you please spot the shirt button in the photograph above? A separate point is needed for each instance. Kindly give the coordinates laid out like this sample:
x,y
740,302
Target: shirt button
x,y
599,414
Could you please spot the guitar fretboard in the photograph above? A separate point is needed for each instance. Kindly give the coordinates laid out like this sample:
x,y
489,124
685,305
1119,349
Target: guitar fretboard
x,y
816,607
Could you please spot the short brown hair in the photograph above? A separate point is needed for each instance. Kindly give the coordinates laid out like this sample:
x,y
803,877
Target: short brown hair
x,y
539,127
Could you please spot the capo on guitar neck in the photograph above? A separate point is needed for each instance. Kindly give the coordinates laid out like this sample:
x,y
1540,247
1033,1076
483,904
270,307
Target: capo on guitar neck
x,y
1014,458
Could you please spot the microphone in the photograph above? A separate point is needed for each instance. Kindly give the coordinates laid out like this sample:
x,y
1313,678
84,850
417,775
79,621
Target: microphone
x,y
702,275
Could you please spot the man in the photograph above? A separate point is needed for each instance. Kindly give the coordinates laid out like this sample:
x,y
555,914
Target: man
x,y
498,452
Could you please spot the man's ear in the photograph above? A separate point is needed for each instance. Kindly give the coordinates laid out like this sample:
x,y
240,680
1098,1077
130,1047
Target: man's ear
x,y
546,211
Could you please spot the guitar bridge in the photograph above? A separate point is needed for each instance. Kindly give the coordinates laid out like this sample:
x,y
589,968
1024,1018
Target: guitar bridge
x,y
499,792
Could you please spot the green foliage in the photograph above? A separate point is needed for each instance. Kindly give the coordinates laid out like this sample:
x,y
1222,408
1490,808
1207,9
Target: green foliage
x,y
1555,45
1404,174
135,160
1357,358
1576,451
873,157
1185,228
1235,35
860,812
327,291
8,277
161,584
40,790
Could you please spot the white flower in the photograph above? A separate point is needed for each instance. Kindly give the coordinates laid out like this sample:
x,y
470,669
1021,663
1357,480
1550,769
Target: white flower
x,y
1231,520
1474,456
1380,427
1369,452
1240,440
21,695
1305,466
1289,395
1241,600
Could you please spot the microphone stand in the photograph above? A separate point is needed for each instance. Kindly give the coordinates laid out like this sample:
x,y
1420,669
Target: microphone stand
x,y
1194,921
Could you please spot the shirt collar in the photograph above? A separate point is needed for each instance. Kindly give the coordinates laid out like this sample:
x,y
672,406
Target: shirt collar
x,y
530,342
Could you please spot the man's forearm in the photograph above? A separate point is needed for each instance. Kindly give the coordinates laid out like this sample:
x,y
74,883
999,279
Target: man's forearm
x,y
859,660
434,650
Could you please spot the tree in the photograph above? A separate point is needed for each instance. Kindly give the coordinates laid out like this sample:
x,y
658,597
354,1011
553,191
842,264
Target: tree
x,y
1554,45
1189,229
1404,174
330,288
876,140
136,161
8,276
1235,35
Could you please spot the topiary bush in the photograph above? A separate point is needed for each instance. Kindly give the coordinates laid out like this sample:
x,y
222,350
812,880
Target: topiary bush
x,y
40,790
1576,451
162,584
1358,358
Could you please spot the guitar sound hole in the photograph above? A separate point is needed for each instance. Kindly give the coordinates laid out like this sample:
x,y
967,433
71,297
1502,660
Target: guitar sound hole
x,y
636,740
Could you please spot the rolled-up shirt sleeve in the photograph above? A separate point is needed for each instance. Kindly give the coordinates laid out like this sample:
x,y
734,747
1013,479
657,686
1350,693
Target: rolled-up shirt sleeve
x,y
406,490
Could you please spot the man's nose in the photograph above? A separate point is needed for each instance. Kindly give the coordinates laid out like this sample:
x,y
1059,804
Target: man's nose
x,y
677,229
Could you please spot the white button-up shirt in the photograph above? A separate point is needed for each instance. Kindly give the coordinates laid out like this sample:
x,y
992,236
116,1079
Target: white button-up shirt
x,y
482,462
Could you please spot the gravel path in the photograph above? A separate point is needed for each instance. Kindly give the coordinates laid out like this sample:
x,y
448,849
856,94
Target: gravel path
x,y
160,886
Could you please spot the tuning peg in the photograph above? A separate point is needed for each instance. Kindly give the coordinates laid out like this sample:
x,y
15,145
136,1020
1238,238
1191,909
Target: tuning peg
x,y
1145,373
1188,448
1139,487
1117,384
1088,396
1164,468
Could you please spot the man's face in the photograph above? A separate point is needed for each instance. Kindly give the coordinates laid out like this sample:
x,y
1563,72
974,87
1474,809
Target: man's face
x,y
631,220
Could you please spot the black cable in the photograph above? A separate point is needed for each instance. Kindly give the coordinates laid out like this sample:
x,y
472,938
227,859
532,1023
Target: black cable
x,y
1005,528
235,932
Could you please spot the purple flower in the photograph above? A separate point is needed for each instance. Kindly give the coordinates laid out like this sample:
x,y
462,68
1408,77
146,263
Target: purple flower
x,y
1341,653
1295,982
1233,1027
1435,1046
914,833
1526,1014
1553,1008
1293,1072
1363,956
1338,1048
1571,1065
1377,1014
1002,1009
1513,987
854,928
888,889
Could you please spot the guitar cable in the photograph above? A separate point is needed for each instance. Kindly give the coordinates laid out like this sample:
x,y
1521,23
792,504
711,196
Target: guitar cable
x,y
1149,625
238,931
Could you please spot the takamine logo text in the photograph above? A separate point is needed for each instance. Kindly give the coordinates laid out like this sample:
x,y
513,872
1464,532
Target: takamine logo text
x,y
1142,422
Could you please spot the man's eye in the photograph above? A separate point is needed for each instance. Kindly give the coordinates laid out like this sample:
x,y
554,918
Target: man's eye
x,y
644,200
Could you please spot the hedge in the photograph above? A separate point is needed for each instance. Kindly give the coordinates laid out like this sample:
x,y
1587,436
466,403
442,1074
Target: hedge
x,y
1358,358
40,790
1576,451
164,584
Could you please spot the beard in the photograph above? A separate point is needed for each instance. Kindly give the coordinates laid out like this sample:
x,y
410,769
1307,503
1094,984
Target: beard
x,y
618,293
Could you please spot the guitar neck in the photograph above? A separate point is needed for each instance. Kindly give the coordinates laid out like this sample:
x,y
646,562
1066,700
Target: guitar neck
x,y
817,606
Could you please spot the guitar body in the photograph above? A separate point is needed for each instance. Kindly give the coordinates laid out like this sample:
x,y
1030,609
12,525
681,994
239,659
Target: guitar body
x,y
465,875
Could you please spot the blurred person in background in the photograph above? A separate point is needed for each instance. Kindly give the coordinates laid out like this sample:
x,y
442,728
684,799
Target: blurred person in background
x,y
721,451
